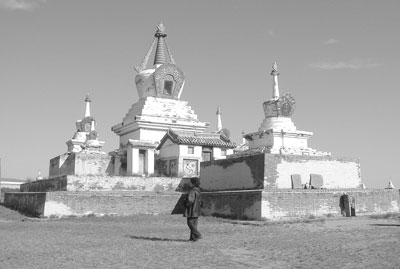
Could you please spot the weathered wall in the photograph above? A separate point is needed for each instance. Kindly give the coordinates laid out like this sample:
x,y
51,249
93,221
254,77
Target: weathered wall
x,y
102,183
31,203
53,184
291,204
245,205
62,165
242,173
247,172
99,203
336,172
92,163
294,204
82,163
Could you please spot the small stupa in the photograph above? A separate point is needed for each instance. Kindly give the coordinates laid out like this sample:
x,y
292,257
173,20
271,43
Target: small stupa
x,y
85,155
277,133
390,185
85,137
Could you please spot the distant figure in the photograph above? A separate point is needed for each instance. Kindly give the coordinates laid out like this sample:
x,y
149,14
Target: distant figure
x,y
306,186
193,204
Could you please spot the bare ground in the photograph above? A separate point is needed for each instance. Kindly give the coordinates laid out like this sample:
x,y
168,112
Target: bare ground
x,y
146,241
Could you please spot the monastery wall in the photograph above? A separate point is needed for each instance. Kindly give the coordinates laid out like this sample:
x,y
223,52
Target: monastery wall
x,y
244,205
295,204
273,171
82,163
336,172
102,183
53,204
291,204
242,173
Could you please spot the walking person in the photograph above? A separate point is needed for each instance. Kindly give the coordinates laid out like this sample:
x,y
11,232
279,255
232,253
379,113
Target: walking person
x,y
193,204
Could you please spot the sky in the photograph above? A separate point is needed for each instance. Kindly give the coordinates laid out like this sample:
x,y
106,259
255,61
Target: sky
x,y
338,59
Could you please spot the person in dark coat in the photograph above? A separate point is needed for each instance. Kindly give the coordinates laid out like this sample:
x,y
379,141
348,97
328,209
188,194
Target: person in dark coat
x,y
193,204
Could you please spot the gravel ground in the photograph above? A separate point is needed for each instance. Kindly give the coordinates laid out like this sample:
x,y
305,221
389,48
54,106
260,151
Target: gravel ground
x,y
145,241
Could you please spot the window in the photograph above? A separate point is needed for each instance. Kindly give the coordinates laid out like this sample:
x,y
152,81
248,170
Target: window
x,y
190,150
206,154
168,85
223,152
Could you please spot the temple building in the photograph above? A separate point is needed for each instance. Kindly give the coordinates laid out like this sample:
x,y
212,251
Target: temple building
x,y
181,152
158,109
84,154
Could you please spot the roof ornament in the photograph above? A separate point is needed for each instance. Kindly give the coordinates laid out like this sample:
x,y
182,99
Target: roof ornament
x,y
219,121
275,74
87,110
162,55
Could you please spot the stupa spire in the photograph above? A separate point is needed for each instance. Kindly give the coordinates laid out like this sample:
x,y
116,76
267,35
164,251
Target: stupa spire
x,y
219,121
275,86
87,110
160,56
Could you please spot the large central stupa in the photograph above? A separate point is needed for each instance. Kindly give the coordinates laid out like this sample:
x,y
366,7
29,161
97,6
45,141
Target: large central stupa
x,y
159,108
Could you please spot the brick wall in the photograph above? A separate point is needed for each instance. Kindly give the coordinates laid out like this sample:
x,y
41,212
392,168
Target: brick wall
x,y
336,172
241,173
102,183
53,184
304,203
32,203
294,204
99,203
236,205
273,171
82,163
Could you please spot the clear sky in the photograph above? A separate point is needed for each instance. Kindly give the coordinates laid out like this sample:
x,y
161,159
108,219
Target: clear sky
x,y
339,59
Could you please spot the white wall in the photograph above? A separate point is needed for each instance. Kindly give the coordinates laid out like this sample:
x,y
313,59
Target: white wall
x,y
336,174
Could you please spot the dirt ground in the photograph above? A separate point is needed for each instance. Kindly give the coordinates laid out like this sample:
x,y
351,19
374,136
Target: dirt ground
x,y
146,241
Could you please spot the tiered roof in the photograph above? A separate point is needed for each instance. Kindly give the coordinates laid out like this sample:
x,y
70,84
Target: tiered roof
x,y
198,139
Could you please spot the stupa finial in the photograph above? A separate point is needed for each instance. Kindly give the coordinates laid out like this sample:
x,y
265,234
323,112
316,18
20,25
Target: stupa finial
x,y
87,110
160,30
219,120
161,50
275,74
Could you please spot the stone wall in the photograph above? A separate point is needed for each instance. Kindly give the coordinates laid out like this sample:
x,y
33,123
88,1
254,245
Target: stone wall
x,y
52,204
242,173
295,204
82,163
273,171
102,183
62,165
44,185
30,203
336,172
244,205
291,204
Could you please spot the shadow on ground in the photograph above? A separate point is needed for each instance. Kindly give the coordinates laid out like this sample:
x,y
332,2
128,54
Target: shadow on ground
x,y
155,238
387,225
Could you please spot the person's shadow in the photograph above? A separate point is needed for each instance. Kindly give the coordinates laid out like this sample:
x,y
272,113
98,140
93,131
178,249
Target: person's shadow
x,y
388,225
155,238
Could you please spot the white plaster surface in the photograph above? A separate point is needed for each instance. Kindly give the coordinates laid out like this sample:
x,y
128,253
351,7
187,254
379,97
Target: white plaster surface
x,y
53,208
336,174
106,183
